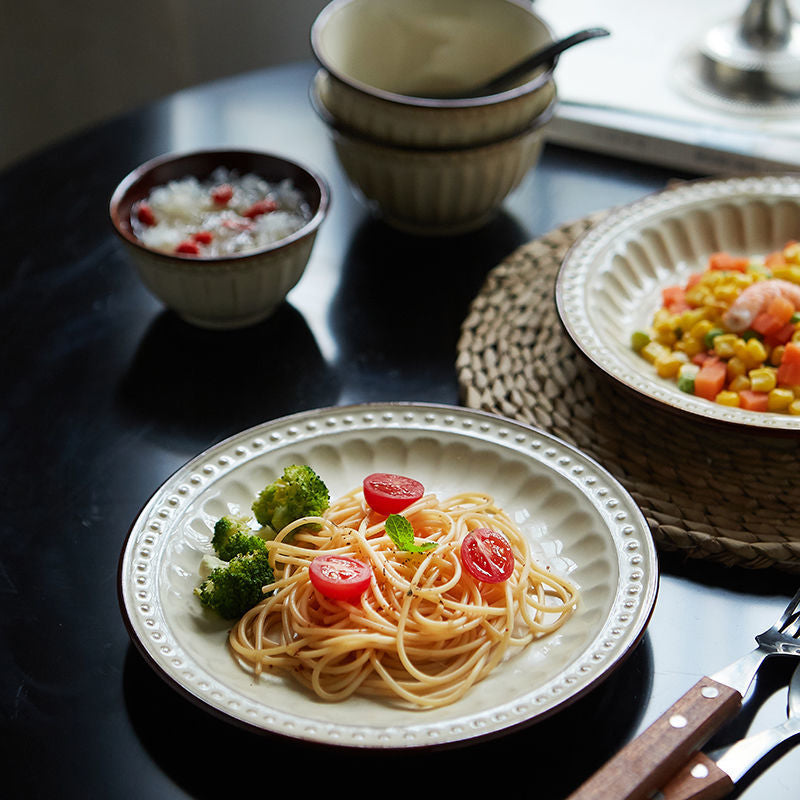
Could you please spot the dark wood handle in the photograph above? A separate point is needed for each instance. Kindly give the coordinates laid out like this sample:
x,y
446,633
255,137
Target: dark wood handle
x,y
700,779
652,758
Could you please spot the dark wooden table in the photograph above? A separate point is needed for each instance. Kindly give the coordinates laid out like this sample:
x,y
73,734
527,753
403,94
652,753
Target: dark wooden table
x,y
105,394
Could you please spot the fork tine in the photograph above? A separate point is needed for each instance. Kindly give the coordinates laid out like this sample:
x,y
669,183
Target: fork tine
x,y
786,630
793,627
790,619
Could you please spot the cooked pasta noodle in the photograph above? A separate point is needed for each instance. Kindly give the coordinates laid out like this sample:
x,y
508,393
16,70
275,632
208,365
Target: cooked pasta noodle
x,y
424,631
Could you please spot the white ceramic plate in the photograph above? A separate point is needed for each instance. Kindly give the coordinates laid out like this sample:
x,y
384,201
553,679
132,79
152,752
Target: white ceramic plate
x,y
577,516
610,282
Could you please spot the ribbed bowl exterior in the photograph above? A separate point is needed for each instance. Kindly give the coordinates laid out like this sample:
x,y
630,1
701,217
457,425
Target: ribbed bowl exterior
x,y
229,294
437,192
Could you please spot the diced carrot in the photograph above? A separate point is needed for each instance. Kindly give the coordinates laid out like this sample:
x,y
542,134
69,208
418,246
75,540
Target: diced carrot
x,y
789,368
725,261
776,259
753,401
765,324
780,336
708,383
693,279
672,294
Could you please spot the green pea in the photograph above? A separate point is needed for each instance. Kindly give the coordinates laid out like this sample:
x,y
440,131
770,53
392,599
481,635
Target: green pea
x,y
708,340
639,339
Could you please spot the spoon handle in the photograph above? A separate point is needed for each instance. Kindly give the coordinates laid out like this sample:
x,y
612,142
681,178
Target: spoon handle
x,y
544,56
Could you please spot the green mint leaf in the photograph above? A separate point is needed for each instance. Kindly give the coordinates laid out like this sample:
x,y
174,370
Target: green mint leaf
x,y
402,534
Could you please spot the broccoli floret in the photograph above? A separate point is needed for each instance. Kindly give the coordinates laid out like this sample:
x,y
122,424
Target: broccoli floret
x,y
234,537
300,492
232,589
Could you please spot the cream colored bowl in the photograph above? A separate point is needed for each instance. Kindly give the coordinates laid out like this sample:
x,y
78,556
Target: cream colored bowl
x,y
381,57
224,292
437,192
609,285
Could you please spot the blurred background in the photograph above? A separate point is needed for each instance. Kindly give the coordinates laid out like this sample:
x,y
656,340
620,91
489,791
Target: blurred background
x,y
65,66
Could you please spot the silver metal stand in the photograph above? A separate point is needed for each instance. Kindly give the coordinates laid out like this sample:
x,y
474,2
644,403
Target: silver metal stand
x,y
754,58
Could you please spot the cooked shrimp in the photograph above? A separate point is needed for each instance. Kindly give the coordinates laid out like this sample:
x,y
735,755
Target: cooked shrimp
x,y
755,299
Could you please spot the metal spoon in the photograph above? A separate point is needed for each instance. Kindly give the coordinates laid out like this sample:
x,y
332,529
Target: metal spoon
x,y
542,56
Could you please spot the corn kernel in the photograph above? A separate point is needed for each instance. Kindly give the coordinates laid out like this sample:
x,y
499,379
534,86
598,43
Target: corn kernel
x,y
740,349
736,367
756,352
698,295
662,318
780,399
701,328
743,279
689,318
788,273
739,383
792,252
668,366
776,354
652,351
723,344
727,398
666,336
727,292
762,379
690,345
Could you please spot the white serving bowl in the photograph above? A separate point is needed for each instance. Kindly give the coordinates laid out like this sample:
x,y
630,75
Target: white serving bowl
x,y
381,57
609,284
230,291
441,191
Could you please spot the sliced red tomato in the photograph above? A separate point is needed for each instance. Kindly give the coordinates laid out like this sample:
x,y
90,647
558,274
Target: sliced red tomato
x,y
340,577
487,555
387,493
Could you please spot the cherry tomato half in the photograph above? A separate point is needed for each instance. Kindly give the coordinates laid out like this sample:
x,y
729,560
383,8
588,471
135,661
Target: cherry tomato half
x,y
340,577
487,555
389,494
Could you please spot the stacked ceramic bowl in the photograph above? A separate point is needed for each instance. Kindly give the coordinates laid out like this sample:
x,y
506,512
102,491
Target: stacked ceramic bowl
x,y
394,90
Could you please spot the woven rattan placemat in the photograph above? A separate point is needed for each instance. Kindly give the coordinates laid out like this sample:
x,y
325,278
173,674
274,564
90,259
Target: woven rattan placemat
x,y
723,495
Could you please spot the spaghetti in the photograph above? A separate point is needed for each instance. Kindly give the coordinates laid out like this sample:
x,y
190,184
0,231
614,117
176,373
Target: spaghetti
x,y
424,631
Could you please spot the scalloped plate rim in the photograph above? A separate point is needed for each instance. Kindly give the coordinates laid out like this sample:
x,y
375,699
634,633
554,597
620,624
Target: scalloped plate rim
x,y
646,588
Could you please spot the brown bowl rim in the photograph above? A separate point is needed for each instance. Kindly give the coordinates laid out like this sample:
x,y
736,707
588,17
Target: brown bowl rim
x,y
162,168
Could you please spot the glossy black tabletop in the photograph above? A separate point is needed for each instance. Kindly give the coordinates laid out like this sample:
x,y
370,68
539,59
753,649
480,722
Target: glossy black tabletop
x,y
105,394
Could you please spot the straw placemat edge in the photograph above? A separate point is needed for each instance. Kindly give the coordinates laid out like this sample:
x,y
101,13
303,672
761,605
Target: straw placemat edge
x,y
731,498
